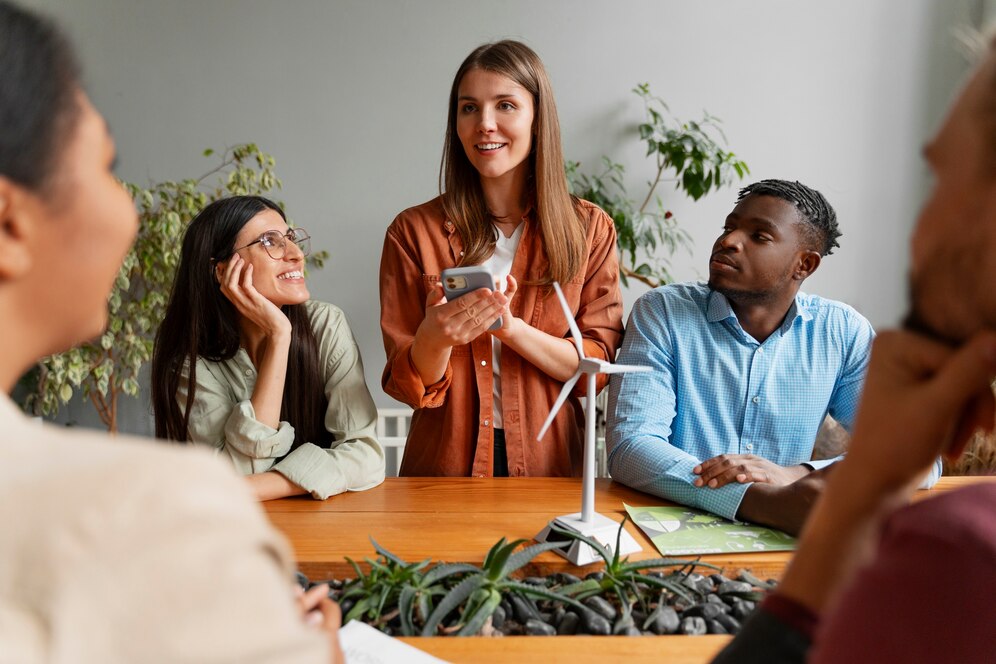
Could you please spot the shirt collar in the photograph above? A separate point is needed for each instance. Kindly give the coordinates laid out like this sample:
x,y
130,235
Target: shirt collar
x,y
718,309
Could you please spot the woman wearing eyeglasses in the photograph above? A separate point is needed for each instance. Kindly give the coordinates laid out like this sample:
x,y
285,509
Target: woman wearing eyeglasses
x,y
245,362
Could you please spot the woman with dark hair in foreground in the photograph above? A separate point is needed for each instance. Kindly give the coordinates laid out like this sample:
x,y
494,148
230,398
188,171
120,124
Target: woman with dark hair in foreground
x,y
111,551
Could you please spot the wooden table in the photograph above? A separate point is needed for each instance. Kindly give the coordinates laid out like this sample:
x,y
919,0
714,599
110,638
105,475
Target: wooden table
x,y
459,519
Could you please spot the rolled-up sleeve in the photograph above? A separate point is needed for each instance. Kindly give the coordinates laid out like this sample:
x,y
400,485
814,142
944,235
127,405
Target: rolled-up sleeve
x,y
218,419
402,309
355,461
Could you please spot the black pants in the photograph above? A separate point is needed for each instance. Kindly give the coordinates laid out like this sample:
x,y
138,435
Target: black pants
x,y
500,457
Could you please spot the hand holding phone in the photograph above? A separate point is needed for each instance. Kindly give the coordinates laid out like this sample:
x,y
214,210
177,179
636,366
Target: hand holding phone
x,y
459,281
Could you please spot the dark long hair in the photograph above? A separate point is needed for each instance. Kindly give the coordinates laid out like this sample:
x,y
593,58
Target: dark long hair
x,y
201,322
39,104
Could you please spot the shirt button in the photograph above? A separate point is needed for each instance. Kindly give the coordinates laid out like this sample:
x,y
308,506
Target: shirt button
x,y
461,253
756,399
750,446
760,350
483,363
248,372
487,422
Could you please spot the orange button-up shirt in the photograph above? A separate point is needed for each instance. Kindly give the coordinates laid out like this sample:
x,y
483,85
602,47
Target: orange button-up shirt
x,y
452,430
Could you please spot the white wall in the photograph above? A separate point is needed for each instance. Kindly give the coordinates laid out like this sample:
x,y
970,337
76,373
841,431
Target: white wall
x,y
350,97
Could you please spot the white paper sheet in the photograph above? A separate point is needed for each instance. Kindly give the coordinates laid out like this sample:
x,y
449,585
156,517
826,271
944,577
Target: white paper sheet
x,y
363,644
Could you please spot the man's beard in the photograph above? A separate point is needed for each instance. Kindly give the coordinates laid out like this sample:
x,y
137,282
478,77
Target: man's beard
x,y
744,297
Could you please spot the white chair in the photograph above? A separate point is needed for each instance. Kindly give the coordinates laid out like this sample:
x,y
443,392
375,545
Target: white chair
x,y
392,432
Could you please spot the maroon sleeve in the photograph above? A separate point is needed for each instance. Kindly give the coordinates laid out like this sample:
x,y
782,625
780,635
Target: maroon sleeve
x,y
928,594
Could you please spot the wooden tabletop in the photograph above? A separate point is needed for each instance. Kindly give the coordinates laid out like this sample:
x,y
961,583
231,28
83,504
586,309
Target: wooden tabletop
x,y
459,519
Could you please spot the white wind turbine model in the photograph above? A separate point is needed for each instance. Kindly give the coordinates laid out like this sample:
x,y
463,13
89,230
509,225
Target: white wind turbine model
x,y
587,521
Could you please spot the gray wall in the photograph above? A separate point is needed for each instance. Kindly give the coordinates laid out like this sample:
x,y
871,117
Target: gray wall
x,y
350,97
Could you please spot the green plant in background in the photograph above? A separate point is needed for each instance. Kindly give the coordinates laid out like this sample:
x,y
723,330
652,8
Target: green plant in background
x,y
108,367
685,153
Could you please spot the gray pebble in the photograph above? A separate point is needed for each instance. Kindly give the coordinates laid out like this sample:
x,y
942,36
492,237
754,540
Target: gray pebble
x,y
524,609
718,579
735,587
714,627
664,620
597,576
601,606
706,610
498,617
595,624
558,615
731,624
693,626
539,628
535,580
302,580
742,610
568,624
566,579
713,598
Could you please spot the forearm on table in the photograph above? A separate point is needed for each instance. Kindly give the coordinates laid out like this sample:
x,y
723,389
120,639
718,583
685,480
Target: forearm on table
x,y
666,471
272,485
555,356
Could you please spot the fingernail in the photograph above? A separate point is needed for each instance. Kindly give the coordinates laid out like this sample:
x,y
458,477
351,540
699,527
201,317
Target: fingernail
x,y
712,484
313,619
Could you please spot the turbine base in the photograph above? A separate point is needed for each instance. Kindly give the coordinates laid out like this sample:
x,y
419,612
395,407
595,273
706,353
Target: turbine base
x,y
601,528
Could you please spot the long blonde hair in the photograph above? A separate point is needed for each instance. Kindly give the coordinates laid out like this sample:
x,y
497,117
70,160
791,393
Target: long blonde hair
x,y
459,182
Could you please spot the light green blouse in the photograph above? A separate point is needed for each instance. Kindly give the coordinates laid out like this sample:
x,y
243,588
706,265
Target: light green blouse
x,y
223,417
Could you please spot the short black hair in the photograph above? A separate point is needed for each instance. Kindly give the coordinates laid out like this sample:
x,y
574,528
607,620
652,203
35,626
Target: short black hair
x,y
819,217
39,81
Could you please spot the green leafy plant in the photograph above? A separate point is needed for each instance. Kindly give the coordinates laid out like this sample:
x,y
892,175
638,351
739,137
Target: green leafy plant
x,y
399,586
481,592
624,578
691,154
109,367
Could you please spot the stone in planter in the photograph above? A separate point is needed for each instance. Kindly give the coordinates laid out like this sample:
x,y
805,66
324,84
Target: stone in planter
x,y
693,626
602,607
568,625
539,628
664,620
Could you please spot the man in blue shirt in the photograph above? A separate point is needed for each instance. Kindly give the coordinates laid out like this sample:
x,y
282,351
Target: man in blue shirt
x,y
746,368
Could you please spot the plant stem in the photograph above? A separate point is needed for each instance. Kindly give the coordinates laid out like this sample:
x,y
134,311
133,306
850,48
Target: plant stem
x,y
639,277
653,185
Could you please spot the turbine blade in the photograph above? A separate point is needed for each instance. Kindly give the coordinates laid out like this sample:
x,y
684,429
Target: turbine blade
x,y
575,332
624,368
568,386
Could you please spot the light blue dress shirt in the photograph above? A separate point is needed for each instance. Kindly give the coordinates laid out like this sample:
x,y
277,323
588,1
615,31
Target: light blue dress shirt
x,y
716,390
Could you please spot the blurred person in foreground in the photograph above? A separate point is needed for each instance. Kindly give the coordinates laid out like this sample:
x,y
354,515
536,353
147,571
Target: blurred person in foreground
x,y
875,579
112,550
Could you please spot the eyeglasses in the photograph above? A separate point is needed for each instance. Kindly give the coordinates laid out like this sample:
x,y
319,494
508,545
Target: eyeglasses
x,y
275,242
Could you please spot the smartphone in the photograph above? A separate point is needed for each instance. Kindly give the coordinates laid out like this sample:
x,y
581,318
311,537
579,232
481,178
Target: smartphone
x,y
458,281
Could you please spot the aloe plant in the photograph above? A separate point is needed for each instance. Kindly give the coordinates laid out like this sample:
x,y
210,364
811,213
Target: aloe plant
x,y
481,592
622,577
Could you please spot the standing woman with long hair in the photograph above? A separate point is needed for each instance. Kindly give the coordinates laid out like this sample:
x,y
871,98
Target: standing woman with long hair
x,y
481,397
246,363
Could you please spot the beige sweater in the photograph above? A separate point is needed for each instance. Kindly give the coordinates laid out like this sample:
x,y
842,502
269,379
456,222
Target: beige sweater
x,y
122,550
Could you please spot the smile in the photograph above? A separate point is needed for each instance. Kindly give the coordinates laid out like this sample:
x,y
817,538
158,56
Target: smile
x,y
489,147
293,274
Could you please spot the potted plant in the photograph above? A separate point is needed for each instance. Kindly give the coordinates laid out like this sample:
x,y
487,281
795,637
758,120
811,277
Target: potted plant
x,y
691,154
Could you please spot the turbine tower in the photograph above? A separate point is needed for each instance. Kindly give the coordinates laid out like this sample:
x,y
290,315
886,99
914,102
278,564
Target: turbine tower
x,y
586,522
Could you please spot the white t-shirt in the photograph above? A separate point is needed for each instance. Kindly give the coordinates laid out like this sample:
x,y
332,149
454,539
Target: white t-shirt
x,y
500,265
